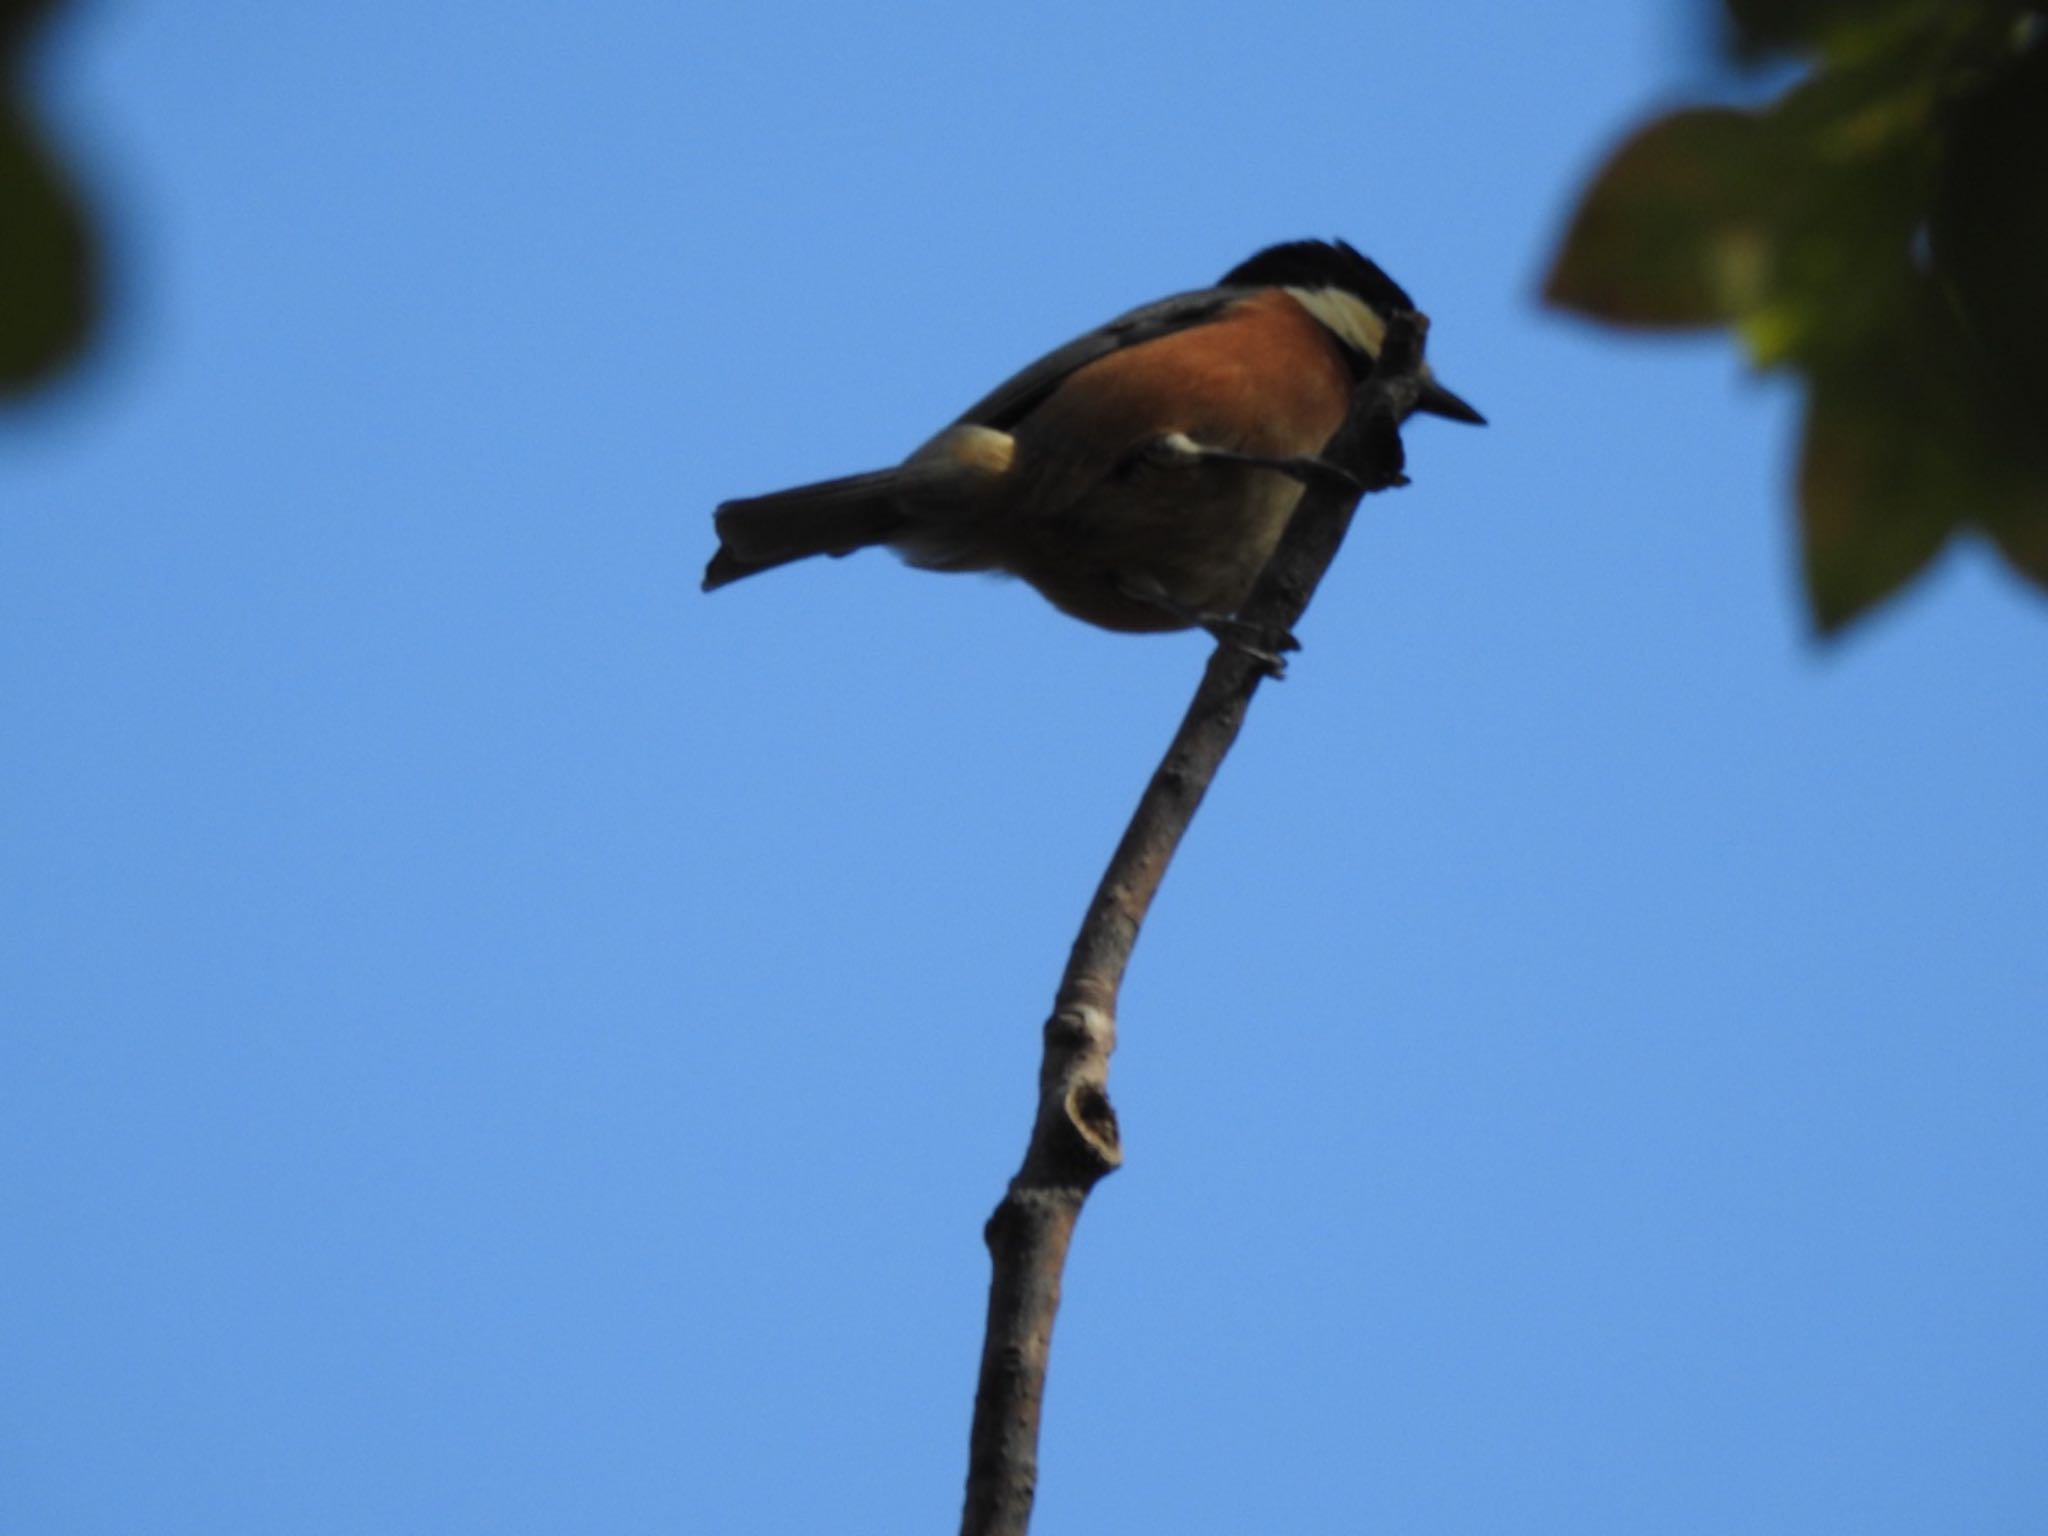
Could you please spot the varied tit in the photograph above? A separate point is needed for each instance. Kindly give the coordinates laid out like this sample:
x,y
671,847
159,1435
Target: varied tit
x,y
1138,477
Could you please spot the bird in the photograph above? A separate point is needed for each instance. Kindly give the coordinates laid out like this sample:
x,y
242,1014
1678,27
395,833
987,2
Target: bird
x,y
1138,477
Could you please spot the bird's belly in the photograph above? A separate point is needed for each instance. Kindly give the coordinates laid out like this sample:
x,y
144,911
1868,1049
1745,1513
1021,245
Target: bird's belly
x,y
1157,549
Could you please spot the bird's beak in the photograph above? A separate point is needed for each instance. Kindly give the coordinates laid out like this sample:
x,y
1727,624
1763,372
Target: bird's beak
x,y
1439,401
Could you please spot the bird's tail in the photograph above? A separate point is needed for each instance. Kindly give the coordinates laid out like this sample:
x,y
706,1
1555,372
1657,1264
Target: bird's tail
x,y
833,517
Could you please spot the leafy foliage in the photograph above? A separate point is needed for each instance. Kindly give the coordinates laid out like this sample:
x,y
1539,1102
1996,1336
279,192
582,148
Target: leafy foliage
x,y
1882,228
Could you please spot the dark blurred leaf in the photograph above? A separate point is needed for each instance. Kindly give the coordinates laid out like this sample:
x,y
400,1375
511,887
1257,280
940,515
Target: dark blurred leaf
x,y
1865,531
1842,28
48,272
18,18
1988,235
1902,449
1989,227
1763,26
2022,537
1670,233
1883,475
1850,171
46,277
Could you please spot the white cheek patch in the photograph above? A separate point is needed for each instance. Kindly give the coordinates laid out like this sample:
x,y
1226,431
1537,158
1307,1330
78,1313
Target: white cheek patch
x,y
1348,317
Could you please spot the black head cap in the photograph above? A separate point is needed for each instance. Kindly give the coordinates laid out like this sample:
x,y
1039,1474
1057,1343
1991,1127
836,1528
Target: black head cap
x,y
1319,264
1332,264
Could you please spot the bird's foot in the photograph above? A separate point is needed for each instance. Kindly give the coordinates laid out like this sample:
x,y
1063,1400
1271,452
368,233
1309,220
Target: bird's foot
x,y
1268,647
1262,643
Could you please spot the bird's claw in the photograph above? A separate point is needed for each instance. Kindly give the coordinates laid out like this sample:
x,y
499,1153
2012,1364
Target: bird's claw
x,y
1263,643
1268,647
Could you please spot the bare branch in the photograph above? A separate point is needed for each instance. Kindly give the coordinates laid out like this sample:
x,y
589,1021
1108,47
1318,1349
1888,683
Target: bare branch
x,y
1074,1140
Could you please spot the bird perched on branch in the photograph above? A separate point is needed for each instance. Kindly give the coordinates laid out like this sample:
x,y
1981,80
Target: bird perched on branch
x,y
1139,476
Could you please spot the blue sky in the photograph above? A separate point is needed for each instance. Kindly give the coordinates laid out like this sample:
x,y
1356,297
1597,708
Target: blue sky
x,y
496,1041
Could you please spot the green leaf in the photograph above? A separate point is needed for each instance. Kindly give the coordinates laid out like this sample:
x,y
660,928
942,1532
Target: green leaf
x,y
1901,451
1673,232
1868,519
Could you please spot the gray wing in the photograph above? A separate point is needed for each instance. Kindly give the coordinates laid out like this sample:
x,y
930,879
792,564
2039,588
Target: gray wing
x,y
1017,396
